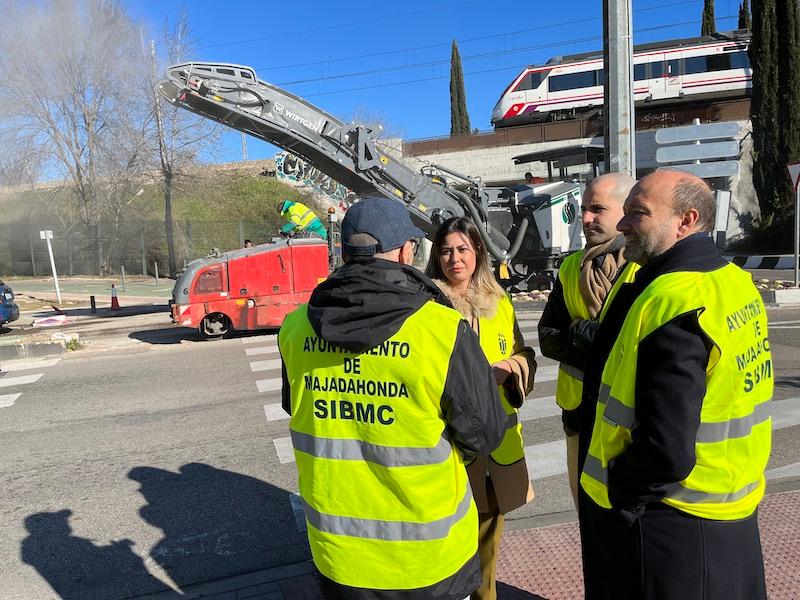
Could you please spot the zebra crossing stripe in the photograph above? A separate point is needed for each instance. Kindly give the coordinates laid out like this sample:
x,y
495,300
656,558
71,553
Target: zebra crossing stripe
x,y
546,459
283,446
265,365
258,339
548,373
261,350
792,470
275,412
8,400
269,385
26,364
539,408
21,380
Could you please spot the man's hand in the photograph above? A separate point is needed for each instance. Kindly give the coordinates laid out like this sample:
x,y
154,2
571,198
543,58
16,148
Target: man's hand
x,y
501,370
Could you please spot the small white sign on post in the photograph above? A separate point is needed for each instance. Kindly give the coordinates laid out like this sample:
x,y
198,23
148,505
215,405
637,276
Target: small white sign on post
x,y
47,235
794,173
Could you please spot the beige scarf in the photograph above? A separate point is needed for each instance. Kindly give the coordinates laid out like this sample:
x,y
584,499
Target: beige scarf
x,y
596,280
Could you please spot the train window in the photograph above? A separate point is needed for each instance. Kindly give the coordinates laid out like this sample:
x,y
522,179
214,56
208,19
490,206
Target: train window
x,y
674,67
639,72
719,62
740,60
571,81
694,64
226,71
657,69
531,81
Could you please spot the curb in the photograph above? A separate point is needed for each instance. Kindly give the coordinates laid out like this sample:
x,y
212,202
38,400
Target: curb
x,y
781,262
785,297
31,350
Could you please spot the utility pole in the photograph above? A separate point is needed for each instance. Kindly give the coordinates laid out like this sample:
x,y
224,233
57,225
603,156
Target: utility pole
x,y
619,123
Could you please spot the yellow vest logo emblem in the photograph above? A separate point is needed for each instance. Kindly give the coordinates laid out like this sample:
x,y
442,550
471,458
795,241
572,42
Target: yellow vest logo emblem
x,y
501,339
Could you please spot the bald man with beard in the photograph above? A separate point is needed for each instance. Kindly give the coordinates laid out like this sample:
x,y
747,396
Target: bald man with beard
x,y
681,376
573,308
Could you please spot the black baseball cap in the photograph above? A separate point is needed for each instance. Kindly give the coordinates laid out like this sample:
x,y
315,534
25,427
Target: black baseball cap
x,y
387,220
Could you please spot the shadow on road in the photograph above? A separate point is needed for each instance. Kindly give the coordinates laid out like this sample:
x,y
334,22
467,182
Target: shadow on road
x,y
79,568
787,382
166,335
509,592
215,524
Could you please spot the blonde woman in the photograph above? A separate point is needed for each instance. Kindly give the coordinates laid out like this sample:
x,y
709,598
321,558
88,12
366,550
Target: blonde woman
x,y
460,266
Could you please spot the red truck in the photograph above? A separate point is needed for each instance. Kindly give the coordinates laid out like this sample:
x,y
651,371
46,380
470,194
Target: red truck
x,y
250,288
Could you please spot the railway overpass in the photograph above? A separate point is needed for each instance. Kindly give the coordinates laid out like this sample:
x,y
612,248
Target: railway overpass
x,y
489,155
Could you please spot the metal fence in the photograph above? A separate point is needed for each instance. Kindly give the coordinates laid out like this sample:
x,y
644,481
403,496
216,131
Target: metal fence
x,y
105,247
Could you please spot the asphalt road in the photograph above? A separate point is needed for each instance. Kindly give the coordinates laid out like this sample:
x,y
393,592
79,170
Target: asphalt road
x,y
157,464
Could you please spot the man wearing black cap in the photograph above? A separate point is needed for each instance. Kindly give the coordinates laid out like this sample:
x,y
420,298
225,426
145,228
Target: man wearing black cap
x,y
389,392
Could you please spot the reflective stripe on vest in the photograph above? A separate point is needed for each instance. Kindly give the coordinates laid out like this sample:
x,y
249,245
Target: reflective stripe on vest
x,y
390,531
301,215
387,456
387,499
569,385
734,434
497,342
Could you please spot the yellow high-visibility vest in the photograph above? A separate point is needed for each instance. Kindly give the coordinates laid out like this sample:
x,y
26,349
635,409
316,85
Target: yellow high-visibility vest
x,y
569,386
497,342
300,215
734,437
386,495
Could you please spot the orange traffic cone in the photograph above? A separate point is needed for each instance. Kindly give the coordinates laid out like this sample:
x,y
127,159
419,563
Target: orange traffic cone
x,y
114,301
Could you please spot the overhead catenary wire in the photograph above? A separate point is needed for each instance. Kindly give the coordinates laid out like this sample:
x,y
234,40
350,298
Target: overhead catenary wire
x,y
484,71
339,25
548,26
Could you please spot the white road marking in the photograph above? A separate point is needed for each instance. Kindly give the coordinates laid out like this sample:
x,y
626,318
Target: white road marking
x,y
257,339
269,385
299,512
283,446
796,322
539,408
548,373
785,413
781,327
275,412
261,350
265,365
784,471
21,380
547,459
8,400
26,364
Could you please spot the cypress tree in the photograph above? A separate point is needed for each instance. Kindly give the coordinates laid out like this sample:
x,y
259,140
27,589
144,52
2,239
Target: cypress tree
x,y
744,16
709,24
788,98
459,118
764,107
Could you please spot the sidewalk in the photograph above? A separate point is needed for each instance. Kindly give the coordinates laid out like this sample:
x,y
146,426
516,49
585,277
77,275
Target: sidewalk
x,y
535,564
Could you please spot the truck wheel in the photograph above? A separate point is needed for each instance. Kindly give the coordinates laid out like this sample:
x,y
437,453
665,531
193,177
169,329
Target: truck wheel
x,y
214,326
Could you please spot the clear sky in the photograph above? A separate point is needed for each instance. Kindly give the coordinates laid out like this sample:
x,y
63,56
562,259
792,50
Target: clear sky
x,y
391,61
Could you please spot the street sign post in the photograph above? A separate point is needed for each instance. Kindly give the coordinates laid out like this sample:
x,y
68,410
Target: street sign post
x,y
683,149
794,173
47,235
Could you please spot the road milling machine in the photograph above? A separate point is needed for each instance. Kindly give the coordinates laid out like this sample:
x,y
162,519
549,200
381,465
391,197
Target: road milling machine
x,y
526,229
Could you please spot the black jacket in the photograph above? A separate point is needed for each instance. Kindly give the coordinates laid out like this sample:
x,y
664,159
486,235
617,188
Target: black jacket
x,y
363,304
670,384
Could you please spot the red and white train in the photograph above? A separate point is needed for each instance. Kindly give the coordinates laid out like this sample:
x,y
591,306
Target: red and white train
x,y
663,72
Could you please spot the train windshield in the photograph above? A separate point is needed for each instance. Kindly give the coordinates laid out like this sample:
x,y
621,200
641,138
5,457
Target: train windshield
x,y
531,81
